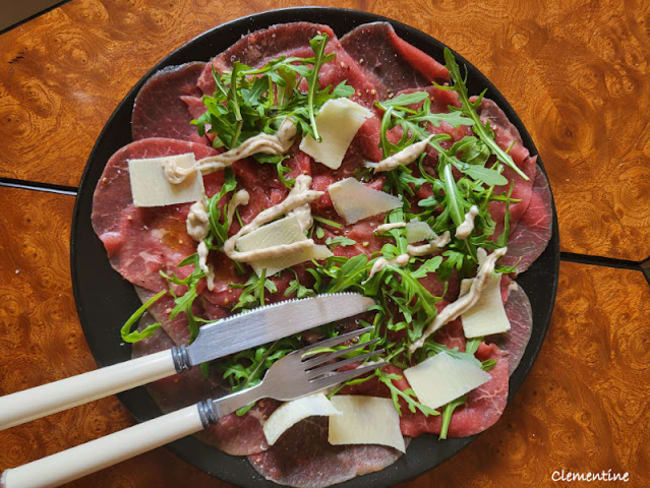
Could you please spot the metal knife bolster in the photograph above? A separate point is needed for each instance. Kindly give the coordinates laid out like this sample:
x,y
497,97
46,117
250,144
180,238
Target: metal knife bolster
x,y
266,324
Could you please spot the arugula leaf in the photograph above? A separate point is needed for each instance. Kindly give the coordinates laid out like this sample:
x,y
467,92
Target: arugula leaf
x,y
135,336
296,287
247,100
339,241
429,266
469,109
407,395
253,291
446,415
327,222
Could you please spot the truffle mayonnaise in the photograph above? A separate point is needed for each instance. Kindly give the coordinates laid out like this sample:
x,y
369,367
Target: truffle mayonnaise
x,y
240,198
203,251
296,199
303,212
464,230
464,302
434,245
275,144
198,220
381,263
404,157
198,226
387,227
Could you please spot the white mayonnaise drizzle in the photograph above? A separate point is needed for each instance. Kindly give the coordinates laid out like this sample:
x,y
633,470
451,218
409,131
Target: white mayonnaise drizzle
x,y
198,226
432,246
275,144
387,227
404,157
464,230
198,220
299,198
240,198
203,251
303,212
465,301
401,261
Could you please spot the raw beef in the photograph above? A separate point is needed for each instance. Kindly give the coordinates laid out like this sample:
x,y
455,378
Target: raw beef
x,y
303,458
140,242
383,54
530,236
159,109
262,46
482,409
520,314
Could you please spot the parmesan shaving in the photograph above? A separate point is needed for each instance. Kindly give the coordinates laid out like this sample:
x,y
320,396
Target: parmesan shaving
x,y
464,302
442,378
404,157
365,420
150,188
290,413
464,230
417,231
296,207
488,315
338,121
276,144
355,201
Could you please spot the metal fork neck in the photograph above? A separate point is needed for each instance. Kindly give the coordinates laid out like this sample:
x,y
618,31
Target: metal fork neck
x,y
181,357
212,410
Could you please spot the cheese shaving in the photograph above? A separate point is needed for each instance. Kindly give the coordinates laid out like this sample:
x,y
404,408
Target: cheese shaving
x,y
464,302
338,121
150,188
365,420
442,378
290,413
355,201
293,201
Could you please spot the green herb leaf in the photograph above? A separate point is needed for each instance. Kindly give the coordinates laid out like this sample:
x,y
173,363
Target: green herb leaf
x,y
339,241
134,336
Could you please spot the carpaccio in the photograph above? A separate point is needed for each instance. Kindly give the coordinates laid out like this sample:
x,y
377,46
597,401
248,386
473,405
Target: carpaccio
x,y
377,64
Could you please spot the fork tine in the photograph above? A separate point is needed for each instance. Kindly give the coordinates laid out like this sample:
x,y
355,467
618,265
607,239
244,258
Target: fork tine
x,y
334,341
310,363
333,379
315,373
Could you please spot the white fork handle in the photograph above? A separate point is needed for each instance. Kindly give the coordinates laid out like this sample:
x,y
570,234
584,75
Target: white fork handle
x,y
100,453
43,400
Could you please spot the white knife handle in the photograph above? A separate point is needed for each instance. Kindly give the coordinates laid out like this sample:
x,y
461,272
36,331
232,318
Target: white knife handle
x,y
43,400
100,453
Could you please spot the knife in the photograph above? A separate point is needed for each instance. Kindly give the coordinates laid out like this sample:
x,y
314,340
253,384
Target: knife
x,y
215,340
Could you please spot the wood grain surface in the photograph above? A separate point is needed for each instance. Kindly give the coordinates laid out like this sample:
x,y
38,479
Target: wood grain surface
x,y
583,407
575,71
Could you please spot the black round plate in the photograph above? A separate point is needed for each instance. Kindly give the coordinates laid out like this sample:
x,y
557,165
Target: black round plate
x,y
105,300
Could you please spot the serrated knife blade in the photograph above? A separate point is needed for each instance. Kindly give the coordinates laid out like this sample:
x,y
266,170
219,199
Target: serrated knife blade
x,y
269,323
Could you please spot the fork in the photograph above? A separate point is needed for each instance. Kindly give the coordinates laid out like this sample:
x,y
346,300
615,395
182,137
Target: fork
x,y
299,373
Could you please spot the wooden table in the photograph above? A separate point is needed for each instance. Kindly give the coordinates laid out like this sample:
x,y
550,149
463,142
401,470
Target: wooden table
x,y
576,73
